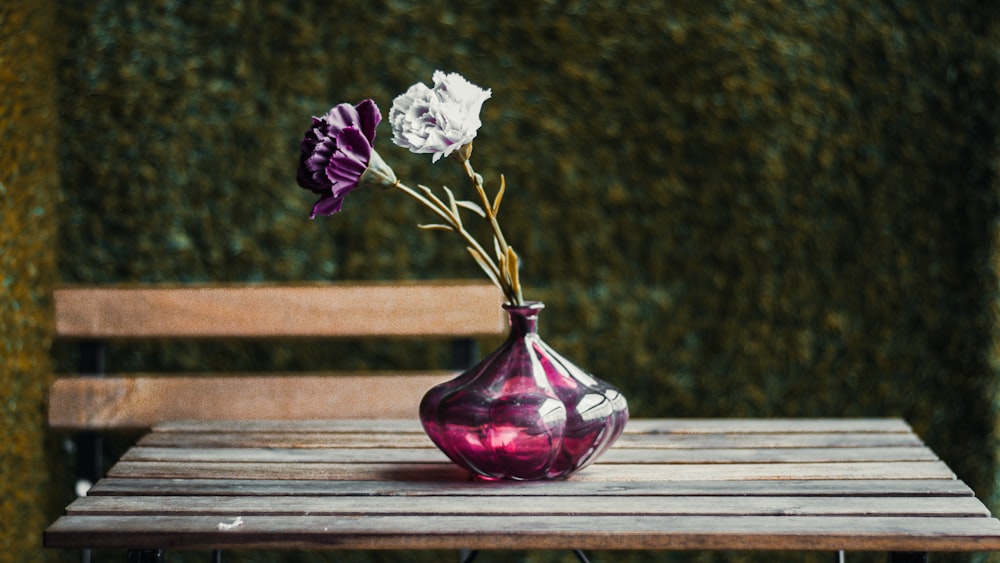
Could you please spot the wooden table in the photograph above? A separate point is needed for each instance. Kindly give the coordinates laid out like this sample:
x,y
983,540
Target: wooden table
x,y
837,484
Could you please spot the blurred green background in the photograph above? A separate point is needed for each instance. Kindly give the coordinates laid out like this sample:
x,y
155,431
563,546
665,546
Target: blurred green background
x,y
730,208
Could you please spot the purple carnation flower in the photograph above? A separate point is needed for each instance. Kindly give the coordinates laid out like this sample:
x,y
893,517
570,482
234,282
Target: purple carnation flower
x,y
337,151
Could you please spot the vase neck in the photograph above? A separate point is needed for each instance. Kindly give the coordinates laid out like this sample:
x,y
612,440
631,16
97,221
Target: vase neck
x,y
524,318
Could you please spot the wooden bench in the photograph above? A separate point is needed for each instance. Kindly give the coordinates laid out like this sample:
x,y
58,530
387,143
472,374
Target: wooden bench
x,y
249,467
92,401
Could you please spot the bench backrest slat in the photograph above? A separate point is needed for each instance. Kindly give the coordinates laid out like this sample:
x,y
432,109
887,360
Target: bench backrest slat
x,y
141,401
460,311
369,310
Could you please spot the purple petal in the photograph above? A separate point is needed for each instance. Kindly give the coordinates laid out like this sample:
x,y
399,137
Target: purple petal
x,y
344,173
349,162
312,166
352,141
327,205
365,116
369,117
340,117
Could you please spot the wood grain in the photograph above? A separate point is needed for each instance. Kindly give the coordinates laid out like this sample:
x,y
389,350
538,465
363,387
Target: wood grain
x,y
855,485
525,505
642,426
615,455
419,309
813,533
632,441
871,488
600,472
141,401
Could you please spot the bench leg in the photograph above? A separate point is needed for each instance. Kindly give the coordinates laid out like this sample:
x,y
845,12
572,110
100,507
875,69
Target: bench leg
x,y
89,445
908,557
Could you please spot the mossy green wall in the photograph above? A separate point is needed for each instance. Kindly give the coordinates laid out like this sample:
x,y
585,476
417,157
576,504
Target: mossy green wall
x,y
731,208
28,195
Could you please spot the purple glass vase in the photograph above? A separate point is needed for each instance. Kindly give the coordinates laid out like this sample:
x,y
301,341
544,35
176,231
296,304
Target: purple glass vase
x,y
524,412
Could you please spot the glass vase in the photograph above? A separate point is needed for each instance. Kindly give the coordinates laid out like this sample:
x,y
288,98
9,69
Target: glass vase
x,y
524,412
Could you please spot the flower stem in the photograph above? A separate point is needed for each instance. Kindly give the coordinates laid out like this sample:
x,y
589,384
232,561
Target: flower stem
x,y
513,288
456,226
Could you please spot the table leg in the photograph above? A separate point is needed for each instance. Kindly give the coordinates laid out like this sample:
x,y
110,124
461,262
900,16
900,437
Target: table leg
x,y
908,557
468,556
146,556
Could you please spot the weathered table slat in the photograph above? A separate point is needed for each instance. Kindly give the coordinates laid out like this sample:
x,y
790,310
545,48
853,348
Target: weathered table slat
x,y
531,532
781,484
181,439
616,455
600,472
524,505
573,488
770,425
636,426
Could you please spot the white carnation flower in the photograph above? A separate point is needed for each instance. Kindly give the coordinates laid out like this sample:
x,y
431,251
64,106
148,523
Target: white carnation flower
x,y
438,120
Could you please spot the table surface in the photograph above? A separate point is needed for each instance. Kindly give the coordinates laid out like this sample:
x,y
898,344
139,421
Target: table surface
x,y
685,484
